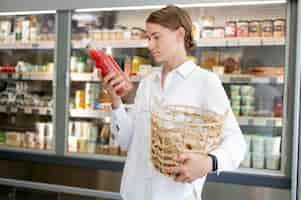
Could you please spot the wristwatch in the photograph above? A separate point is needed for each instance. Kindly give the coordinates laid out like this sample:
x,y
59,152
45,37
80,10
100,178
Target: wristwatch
x,y
214,162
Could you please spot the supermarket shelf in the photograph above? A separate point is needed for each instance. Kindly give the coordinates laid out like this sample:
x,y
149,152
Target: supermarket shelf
x,y
94,114
246,78
38,76
254,171
260,121
25,109
97,157
112,44
249,121
236,42
60,189
84,77
253,177
214,42
114,163
26,150
35,45
238,78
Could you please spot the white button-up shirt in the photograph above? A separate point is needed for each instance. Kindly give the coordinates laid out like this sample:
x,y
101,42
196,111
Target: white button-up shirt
x,y
190,85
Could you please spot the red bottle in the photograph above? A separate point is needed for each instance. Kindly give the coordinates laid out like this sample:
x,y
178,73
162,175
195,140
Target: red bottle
x,y
278,107
107,64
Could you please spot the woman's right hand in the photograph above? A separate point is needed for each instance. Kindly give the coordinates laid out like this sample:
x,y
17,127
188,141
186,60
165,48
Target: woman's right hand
x,y
112,82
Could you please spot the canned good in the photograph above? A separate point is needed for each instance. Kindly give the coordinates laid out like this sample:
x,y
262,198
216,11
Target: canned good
x,y
25,31
92,133
242,29
5,30
49,143
73,64
80,99
91,146
247,90
235,101
40,135
78,129
267,28
235,90
2,137
247,100
33,34
236,110
72,144
254,28
247,110
230,29
279,27
13,139
30,139
81,65
82,144
89,96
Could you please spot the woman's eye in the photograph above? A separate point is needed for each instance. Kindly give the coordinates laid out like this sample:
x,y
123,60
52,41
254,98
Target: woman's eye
x,y
156,37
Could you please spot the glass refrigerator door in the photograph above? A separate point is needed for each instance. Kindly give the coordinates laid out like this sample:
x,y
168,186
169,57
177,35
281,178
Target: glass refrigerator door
x,y
90,128
248,54
26,82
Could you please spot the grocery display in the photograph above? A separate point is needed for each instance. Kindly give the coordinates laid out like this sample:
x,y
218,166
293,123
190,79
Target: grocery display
x,y
247,75
59,108
26,70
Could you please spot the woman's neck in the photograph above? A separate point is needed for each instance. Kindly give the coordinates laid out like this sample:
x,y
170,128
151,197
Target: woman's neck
x,y
173,63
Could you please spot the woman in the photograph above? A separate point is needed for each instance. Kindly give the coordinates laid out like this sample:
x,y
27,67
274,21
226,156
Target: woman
x,y
180,82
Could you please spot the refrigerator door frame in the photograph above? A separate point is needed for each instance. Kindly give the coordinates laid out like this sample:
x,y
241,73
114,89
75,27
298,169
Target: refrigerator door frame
x,y
33,5
62,86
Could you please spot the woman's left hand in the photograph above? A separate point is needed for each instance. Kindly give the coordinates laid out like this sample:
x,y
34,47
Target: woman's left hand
x,y
194,166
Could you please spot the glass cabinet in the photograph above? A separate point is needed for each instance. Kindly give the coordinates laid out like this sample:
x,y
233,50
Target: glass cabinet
x,y
26,73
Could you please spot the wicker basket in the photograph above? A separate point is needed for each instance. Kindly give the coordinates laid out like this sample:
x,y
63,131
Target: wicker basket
x,y
180,129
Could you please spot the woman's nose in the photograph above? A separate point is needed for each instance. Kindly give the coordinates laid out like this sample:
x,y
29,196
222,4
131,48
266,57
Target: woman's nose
x,y
150,44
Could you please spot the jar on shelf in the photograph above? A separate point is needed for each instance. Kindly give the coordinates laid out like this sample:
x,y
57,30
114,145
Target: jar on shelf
x,y
279,27
254,28
207,32
230,29
219,32
267,28
242,28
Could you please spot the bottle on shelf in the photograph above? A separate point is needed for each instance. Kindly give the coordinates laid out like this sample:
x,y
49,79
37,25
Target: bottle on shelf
x,y
278,107
107,64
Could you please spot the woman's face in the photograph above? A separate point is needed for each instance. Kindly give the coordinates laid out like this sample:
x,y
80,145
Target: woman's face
x,y
163,43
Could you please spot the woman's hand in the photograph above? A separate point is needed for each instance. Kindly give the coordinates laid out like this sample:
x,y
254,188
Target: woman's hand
x,y
113,82
193,166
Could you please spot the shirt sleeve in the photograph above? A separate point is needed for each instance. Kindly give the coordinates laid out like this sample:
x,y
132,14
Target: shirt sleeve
x,y
122,125
233,146
123,122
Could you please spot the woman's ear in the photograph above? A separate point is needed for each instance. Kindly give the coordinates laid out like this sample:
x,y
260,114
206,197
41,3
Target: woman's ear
x,y
181,32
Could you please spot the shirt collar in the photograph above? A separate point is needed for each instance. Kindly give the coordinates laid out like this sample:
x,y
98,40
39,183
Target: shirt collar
x,y
184,70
